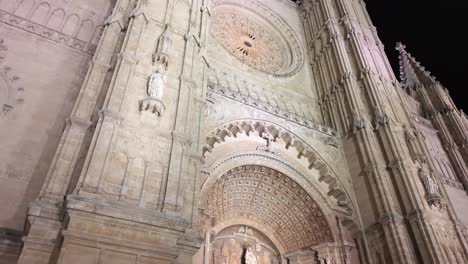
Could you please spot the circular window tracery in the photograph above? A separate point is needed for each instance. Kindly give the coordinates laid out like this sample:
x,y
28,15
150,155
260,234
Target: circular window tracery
x,y
267,46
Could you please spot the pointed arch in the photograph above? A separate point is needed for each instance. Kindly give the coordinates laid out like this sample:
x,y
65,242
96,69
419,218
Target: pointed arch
x,y
181,15
160,10
25,8
71,25
85,31
55,20
40,13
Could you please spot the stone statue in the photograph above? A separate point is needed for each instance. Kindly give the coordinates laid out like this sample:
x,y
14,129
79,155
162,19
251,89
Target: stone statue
x,y
269,138
428,179
432,186
250,257
156,82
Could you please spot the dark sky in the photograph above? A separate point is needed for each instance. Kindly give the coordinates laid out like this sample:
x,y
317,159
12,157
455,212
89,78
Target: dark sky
x,y
425,28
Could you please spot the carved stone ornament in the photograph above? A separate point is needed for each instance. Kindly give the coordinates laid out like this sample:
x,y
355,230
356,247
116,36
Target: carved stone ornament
x,y
257,38
430,184
155,86
245,231
152,105
11,93
359,123
267,107
250,257
268,137
428,179
332,141
156,82
382,119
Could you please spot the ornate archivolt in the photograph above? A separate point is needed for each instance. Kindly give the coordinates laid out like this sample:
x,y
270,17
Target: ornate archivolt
x,y
256,36
270,198
278,134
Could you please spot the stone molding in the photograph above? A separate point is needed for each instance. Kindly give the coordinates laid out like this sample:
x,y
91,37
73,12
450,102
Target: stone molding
x,y
269,108
314,160
125,212
47,33
283,165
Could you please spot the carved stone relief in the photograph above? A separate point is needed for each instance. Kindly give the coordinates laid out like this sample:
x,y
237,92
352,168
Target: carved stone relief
x,y
269,138
157,80
262,105
11,92
431,186
256,128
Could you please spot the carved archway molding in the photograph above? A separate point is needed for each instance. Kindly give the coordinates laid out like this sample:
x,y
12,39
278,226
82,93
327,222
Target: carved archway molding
x,y
272,199
256,128
219,167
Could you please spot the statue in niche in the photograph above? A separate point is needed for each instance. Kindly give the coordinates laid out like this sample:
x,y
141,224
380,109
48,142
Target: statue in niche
x,y
156,82
427,177
250,257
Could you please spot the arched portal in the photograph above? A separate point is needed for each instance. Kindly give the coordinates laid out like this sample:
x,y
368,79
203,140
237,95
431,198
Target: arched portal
x,y
273,201
259,207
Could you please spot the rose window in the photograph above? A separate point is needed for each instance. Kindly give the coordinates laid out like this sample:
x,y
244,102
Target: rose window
x,y
255,41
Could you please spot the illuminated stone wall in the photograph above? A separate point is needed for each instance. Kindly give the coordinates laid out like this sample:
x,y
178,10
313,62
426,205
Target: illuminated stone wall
x,y
184,131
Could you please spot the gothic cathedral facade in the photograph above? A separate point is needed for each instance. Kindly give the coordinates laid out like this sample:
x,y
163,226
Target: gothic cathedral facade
x,y
222,131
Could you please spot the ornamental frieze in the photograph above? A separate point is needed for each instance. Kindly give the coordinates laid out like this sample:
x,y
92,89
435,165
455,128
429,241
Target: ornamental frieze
x,y
268,107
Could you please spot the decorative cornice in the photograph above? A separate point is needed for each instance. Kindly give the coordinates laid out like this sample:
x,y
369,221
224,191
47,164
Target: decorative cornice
x,y
268,108
47,33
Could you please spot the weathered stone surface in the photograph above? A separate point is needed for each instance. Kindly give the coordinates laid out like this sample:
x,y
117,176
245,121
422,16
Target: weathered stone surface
x,y
202,131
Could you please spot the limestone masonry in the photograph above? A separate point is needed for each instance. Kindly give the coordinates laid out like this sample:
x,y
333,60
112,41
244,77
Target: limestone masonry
x,y
222,131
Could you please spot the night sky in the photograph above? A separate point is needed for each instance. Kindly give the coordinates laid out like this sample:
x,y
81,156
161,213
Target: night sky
x,y
423,26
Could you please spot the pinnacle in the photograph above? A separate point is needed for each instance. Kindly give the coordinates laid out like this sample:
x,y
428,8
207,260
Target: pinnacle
x,y
412,73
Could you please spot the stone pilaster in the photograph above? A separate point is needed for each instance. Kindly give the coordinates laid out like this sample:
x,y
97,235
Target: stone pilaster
x,y
45,215
355,77
138,187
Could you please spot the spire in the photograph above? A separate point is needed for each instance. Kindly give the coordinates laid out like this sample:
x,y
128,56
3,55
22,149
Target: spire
x,y
411,71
